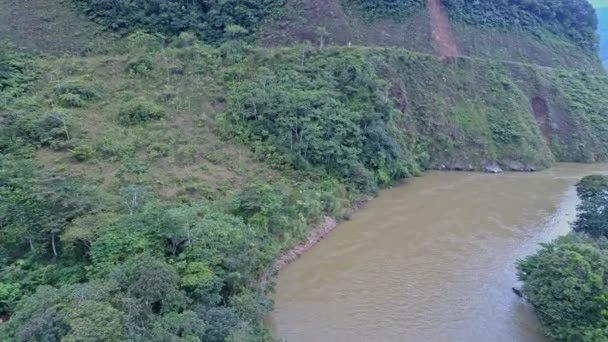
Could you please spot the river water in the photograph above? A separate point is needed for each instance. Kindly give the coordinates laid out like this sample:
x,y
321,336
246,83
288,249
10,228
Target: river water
x,y
432,260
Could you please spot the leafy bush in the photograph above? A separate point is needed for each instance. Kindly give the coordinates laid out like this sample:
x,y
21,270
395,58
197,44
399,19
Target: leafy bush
x,y
71,100
140,65
84,90
592,215
140,110
17,70
40,130
82,153
567,282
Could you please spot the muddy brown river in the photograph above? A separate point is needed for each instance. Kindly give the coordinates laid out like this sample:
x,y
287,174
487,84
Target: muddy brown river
x,y
432,260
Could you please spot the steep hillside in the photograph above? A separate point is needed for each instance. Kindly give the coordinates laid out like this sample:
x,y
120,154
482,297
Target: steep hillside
x,y
150,179
344,22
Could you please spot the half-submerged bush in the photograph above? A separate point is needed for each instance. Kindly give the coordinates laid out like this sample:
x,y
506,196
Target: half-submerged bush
x,y
140,110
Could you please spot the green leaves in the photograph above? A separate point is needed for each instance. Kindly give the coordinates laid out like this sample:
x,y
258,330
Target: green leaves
x,y
592,215
330,113
138,111
567,282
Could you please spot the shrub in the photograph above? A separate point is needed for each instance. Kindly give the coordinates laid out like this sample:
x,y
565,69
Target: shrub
x,y
159,149
140,110
82,153
41,130
87,91
114,149
16,71
566,284
592,215
140,65
71,100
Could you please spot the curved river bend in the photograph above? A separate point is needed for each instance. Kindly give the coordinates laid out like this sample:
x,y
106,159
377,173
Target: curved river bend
x,y
432,260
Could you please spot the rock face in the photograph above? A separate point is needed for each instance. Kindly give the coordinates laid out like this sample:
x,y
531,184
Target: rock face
x,y
492,168
459,166
515,165
324,228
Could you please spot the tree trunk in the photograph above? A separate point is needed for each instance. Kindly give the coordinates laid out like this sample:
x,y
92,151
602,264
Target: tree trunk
x,y
53,244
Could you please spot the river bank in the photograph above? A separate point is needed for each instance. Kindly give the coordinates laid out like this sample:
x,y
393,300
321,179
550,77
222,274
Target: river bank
x,y
430,260
319,232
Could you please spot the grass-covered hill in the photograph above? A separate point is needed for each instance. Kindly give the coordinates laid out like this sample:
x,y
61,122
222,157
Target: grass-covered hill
x,y
156,157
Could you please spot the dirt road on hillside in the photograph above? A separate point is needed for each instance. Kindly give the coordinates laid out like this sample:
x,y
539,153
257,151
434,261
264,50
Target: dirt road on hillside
x,y
441,29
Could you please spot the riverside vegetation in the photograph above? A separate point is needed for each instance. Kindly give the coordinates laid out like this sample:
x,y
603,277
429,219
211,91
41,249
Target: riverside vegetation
x,y
149,179
566,280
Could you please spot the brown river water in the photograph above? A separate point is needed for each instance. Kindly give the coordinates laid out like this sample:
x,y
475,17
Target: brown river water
x,y
431,260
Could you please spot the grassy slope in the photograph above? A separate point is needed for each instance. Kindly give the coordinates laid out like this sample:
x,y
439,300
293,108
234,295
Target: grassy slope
x,y
301,19
467,113
184,154
464,114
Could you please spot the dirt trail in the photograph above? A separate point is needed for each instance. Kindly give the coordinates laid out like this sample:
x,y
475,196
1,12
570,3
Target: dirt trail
x,y
541,112
442,32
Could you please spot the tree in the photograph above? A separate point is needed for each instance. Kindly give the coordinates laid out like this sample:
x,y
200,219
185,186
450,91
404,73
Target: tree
x,y
38,206
592,213
39,316
567,282
93,321
178,327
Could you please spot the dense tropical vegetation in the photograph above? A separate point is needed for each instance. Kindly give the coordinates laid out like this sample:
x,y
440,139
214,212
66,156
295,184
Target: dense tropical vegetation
x,y
567,280
84,261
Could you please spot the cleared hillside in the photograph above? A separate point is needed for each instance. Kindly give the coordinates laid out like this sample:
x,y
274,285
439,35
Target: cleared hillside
x,y
335,22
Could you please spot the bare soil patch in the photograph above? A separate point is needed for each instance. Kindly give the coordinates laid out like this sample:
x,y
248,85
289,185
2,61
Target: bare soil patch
x,y
441,30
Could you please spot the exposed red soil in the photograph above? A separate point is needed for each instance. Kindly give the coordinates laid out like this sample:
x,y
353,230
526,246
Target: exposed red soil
x,y
541,112
441,30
